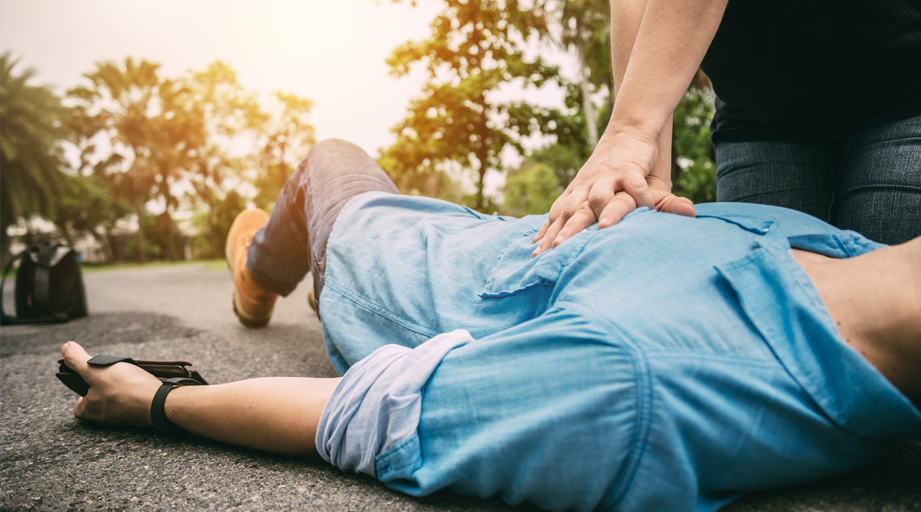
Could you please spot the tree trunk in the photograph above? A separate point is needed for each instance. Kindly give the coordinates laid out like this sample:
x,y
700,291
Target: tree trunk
x,y
168,232
482,154
142,248
587,105
480,203
432,185
283,167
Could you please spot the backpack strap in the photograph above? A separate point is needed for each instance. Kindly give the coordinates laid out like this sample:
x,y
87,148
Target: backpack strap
x,y
42,295
4,319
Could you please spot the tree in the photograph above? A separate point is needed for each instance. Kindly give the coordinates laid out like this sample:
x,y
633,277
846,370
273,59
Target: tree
x,y
530,189
214,223
165,131
284,137
85,204
158,133
475,47
123,103
31,157
90,201
586,28
582,27
231,116
693,157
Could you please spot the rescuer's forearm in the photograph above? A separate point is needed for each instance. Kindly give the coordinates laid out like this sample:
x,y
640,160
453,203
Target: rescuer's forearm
x,y
657,47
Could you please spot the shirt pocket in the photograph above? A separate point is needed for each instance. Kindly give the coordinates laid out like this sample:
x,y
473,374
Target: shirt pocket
x,y
516,270
779,299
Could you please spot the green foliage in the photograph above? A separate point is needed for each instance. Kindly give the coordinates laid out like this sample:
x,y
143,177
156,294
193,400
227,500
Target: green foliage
x,y
585,28
160,234
152,127
165,132
283,140
475,46
227,111
31,132
586,25
151,250
531,189
214,223
694,169
87,202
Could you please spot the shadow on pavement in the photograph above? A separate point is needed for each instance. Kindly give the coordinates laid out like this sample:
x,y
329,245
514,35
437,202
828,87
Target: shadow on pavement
x,y
97,330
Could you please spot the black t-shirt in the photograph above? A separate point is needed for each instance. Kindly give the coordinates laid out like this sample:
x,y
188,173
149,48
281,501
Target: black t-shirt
x,y
790,69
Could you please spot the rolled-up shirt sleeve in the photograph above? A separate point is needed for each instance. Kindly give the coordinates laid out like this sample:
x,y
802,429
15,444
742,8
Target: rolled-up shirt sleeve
x,y
378,403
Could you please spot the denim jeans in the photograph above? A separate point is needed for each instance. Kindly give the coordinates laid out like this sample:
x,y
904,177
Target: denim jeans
x,y
282,251
868,180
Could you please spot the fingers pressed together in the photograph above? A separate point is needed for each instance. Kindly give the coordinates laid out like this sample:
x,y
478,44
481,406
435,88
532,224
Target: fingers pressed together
x,y
605,205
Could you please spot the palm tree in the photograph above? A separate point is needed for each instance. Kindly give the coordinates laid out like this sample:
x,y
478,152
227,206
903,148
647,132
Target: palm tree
x,y
125,104
31,130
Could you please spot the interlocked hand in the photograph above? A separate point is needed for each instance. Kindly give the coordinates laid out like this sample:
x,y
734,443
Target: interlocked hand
x,y
613,182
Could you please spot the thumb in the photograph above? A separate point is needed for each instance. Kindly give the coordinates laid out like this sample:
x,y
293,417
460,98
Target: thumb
x,y
76,358
670,203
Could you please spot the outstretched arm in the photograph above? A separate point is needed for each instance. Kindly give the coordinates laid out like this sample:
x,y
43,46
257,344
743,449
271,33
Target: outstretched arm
x,y
273,414
657,46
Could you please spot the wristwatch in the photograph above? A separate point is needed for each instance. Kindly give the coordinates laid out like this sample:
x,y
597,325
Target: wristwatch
x,y
157,412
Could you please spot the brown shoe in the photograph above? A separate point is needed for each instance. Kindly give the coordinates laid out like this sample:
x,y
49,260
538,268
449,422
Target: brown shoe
x,y
252,304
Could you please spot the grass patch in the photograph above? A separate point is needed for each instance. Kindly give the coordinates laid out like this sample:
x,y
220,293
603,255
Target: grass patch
x,y
220,265
216,264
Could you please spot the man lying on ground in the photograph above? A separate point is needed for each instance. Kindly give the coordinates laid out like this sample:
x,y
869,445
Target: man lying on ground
x,y
665,363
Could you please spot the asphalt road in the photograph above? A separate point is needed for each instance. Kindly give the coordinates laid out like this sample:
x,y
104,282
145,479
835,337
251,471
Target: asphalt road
x,y
51,461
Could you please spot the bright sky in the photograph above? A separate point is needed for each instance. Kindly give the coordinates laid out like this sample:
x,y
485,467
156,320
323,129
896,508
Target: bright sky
x,y
330,51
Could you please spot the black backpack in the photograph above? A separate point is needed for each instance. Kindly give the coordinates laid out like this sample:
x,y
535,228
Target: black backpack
x,y
49,286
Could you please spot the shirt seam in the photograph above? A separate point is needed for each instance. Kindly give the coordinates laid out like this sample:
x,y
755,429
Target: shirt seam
x,y
378,310
644,400
713,356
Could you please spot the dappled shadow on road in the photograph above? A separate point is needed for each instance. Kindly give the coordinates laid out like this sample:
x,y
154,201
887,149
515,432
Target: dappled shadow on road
x,y
97,330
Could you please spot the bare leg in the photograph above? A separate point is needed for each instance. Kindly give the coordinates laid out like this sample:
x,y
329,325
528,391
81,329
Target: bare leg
x,y
875,301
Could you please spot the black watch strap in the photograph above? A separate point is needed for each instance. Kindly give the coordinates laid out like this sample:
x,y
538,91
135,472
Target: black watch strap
x,y
157,412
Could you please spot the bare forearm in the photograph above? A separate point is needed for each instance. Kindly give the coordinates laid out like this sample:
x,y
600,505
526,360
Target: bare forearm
x,y
657,45
273,414
656,49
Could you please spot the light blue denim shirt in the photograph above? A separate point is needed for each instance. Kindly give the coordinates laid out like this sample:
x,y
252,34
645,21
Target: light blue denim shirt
x,y
665,363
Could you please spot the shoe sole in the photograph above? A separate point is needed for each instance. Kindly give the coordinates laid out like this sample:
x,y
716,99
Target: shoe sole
x,y
250,321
